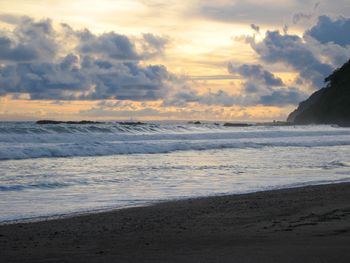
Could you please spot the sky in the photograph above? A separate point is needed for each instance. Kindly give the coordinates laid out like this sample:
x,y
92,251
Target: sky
x,y
226,60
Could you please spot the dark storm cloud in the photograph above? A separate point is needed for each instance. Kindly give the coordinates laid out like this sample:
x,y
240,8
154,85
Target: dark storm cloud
x,y
120,47
294,52
290,96
264,88
35,61
260,87
15,52
256,72
30,40
111,45
331,31
84,78
313,56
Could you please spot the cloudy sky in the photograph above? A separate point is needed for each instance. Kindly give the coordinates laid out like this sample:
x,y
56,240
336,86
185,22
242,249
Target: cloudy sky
x,y
161,60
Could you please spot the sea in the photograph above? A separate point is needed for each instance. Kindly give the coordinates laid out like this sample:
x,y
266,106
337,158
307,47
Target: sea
x,y
56,170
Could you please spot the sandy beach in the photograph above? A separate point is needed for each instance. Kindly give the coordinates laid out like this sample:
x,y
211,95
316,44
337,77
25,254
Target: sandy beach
x,y
309,224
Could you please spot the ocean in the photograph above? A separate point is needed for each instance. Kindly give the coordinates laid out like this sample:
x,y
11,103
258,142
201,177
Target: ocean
x,y
66,169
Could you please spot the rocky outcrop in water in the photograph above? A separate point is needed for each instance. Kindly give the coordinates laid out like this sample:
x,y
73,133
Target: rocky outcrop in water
x,y
230,124
67,122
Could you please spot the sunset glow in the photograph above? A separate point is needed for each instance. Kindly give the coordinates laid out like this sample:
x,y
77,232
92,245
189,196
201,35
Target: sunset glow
x,y
195,42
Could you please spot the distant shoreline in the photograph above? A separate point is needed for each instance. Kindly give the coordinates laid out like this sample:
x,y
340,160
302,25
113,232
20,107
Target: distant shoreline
x,y
289,225
155,122
225,124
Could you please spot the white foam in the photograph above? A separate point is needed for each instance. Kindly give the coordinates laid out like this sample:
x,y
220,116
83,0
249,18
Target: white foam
x,y
141,164
26,141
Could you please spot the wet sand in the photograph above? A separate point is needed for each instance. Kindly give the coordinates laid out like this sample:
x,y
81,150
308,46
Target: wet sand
x,y
309,224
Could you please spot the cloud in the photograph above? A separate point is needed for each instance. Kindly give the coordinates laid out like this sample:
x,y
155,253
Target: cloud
x,y
213,77
120,47
30,40
262,97
229,14
314,55
256,28
104,113
86,78
334,54
149,113
36,61
260,87
11,51
282,97
297,17
10,19
111,45
56,62
294,52
264,11
317,4
257,73
305,16
153,45
219,98
331,31
242,11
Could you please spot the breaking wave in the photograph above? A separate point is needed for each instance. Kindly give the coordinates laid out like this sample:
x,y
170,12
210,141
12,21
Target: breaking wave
x,y
29,140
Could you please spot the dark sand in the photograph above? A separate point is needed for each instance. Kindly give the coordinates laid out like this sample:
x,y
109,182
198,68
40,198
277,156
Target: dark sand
x,y
310,224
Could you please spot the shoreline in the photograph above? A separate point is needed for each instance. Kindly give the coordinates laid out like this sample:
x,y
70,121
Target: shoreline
x,y
44,218
305,224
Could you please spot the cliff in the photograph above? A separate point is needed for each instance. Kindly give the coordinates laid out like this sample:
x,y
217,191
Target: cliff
x,y
329,105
